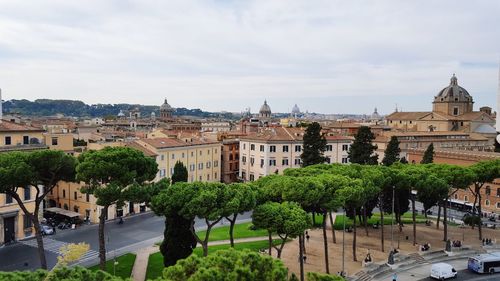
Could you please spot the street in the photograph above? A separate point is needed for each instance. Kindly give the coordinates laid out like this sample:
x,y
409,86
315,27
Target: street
x,y
422,273
136,232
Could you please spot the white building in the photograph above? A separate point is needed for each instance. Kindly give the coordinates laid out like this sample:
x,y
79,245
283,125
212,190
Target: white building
x,y
273,150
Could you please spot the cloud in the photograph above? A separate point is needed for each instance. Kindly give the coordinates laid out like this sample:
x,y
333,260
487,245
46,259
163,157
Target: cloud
x,y
227,55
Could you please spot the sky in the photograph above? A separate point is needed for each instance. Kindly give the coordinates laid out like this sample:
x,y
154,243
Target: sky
x,y
326,56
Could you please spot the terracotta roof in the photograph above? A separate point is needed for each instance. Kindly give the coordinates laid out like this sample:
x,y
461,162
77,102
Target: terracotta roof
x,y
172,142
7,126
406,115
144,150
285,134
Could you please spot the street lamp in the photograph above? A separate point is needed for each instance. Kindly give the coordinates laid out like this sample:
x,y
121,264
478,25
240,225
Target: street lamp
x,y
392,219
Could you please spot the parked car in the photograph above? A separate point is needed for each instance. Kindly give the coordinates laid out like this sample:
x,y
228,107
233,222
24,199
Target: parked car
x,y
47,230
442,271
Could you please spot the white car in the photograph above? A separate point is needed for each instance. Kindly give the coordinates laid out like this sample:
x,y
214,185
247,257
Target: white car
x,y
442,271
46,230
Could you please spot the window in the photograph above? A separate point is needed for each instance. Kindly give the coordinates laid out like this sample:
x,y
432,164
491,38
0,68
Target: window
x,y
171,171
216,163
183,155
162,157
64,193
486,202
328,160
466,198
455,196
261,163
329,147
208,165
272,162
27,192
8,140
243,159
27,222
200,166
192,153
215,175
75,195
208,152
200,178
498,192
192,167
215,151
298,148
285,148
54,141
252,161
297,161
488,191
345,147
162,173
26,140
173,156
87,197
244,146
284,162
261,148
455,111
208,177
8,199
252,147
345,160
252,177
272,148
230,157
230,166
200,152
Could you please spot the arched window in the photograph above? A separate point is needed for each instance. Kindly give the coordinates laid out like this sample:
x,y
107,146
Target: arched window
x,y
466,198
486,202
66,207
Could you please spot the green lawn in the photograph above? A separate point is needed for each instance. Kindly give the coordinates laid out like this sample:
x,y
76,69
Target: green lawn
x,y
123,268
406,219
155,263
243,230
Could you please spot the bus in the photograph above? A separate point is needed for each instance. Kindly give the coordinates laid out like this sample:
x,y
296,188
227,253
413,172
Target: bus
x,y
485,263
461,206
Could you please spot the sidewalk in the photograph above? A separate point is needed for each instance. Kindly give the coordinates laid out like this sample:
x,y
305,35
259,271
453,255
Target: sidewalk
x,y
141,260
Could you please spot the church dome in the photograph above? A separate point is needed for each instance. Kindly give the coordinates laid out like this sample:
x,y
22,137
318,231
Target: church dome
x,y
295,109
375,115
453,92
166,107
265,109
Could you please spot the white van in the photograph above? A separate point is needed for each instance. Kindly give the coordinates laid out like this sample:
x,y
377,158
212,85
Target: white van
x,y
442,271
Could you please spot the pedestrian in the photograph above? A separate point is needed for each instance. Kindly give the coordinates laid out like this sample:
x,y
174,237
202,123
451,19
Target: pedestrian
x,y
54,229
394,277
307,237
305,259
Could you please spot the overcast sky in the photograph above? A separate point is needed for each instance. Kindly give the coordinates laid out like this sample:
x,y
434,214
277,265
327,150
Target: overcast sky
x,y
326,56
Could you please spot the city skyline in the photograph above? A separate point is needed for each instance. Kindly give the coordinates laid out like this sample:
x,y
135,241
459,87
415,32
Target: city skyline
x,y
331,58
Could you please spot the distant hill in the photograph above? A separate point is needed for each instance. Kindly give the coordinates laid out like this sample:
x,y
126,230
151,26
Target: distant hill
x,y
75,108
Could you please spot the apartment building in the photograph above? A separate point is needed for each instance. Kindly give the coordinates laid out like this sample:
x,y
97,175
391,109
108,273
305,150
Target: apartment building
x,y
14,224
272,150
202,157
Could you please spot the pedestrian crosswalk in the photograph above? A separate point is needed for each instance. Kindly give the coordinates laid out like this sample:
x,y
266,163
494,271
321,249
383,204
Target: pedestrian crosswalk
x,y
54,246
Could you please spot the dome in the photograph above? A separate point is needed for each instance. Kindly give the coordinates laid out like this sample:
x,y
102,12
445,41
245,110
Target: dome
x,y
265,109
166,107
295,109
375,115
453,92
121,114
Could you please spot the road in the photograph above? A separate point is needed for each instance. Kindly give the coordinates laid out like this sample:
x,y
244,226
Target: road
x,y
136,232
422,272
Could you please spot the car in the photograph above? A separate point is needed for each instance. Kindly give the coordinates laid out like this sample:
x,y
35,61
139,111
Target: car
x,y
442,271
46,230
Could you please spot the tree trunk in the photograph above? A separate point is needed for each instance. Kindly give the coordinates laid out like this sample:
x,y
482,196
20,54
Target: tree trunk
x,y
231,229
39,240
365,220
314,218
270,241
381,223
474,210
334,238
479,209
354,258
414,217
445,220
325,244
301,256
279,249
102,241
439,215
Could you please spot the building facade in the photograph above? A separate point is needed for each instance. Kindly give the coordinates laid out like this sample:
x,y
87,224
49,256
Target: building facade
x,y
272,150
